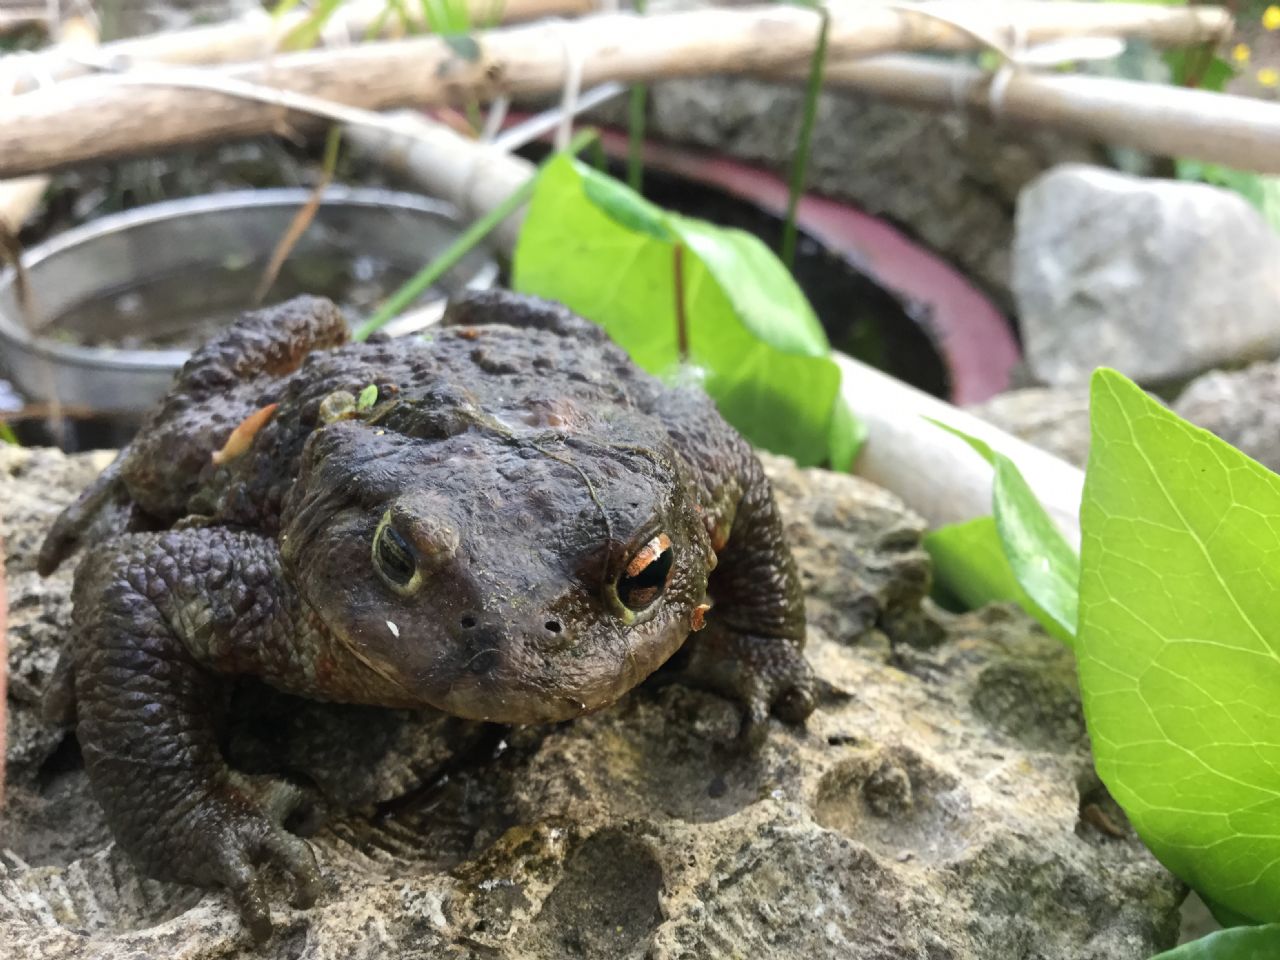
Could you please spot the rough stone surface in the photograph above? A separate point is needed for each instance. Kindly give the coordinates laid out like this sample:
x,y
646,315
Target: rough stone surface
x,y
951,181
1055,419
1157,278
1240,406
931,810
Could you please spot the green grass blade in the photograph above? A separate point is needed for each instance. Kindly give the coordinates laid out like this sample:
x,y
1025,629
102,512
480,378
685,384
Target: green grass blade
x,y
800,160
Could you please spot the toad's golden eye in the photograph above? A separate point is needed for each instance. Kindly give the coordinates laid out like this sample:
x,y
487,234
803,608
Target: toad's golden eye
x,y
394,558
646,575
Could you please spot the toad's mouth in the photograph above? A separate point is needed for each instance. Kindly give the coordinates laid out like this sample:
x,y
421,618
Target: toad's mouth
x,y
522,689
507,680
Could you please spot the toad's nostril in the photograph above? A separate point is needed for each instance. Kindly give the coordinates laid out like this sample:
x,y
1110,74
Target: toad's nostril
x,y
553,626
468,622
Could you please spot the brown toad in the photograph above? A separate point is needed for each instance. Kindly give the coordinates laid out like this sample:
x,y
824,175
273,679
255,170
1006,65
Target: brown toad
x,y
507,521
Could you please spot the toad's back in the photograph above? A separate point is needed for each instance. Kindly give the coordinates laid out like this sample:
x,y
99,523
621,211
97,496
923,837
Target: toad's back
x,y
226,441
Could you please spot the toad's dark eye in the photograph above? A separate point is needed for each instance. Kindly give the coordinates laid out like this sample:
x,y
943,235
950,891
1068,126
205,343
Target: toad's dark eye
x,y
394,558
646,575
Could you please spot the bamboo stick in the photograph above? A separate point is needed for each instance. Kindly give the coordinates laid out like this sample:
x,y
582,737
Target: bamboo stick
x,y
936,474
15,21
1241,132
106,117
255,36
475,177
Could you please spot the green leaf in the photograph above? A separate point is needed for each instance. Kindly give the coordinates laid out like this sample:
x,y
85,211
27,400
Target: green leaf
x,y
758,286
1179,643
7,435
1240,943
1209,71
1041,561
1225,915
368,397
969,562
626,207
591,243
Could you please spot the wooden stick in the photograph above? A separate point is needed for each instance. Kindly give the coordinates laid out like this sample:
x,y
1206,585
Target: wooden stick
x,y
18,19
255,36
1241,132
106,117
475,177
939,475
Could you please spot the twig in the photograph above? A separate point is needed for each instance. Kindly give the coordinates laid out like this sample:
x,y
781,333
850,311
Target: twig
x,y
110,117
251,37
302,219
1239,132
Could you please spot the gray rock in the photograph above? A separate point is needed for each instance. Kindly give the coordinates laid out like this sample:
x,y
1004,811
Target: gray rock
x,y
1240,406
1055,419
1157,278
931,809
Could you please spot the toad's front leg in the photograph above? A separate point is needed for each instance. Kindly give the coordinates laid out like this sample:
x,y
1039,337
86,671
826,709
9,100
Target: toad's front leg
x,y
158,617
752,649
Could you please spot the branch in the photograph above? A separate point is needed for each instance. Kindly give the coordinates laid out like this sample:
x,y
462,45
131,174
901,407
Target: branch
x,y
255,36
106,117
1241,132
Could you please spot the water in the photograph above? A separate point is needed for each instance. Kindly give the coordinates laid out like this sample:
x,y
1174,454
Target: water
x,y
182,310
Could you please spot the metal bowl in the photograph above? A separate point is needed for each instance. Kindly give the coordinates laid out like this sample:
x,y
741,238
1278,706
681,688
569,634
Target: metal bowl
x,y
206,253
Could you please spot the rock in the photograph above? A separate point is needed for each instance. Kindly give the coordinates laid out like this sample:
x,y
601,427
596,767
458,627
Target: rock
x,y
1055,419
950,180
1157,278
931,810
131,18
1240,406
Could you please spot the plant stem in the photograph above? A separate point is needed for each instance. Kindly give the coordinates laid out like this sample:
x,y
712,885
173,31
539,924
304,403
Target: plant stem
x,y
682,321
599,159
635,126
302,219
470,238
800,161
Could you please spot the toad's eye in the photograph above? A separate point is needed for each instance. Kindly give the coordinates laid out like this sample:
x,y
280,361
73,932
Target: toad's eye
x,y
394,558
646,575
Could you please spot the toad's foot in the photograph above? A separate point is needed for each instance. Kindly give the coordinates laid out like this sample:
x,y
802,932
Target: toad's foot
x,y
243,835
764,674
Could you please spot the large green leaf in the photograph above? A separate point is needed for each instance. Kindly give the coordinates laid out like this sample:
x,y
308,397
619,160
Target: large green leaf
x,y
1042,569
591,243
1241,943
1179,643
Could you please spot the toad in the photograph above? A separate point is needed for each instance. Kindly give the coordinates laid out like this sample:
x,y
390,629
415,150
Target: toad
x,y
506,521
